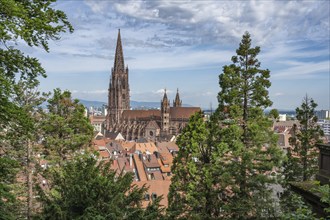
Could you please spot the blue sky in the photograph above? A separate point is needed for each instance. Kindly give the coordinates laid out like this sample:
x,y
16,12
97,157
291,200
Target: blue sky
x,y
184,44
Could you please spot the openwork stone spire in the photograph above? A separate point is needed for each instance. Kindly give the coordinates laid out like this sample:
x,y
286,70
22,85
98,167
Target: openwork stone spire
x,y
118,98
119,57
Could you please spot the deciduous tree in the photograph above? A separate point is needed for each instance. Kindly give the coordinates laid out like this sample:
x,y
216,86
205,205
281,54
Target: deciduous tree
x,y
65,128
22,23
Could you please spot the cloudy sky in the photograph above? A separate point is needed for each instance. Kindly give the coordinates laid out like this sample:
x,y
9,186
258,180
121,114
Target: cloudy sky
x,y
184,44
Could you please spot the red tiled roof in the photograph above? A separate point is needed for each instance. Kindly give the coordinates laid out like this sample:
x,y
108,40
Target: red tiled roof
x,y
139,168
100,143
163,168
160,187
171,146
151,161
144,147
127,145
94,118
166,158
132,114
183,112
104,154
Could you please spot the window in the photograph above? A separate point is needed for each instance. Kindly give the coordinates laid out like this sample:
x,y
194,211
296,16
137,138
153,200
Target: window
x,y
151,133
153,196
146,197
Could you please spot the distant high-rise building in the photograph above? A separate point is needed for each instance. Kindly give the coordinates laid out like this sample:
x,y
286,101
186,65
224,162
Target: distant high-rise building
x,y
322,114
136,124
325,126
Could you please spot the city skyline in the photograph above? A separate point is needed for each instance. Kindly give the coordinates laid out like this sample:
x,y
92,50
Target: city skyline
x,y
180,44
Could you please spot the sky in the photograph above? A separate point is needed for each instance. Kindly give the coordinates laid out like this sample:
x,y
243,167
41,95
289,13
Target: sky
x,y
184,44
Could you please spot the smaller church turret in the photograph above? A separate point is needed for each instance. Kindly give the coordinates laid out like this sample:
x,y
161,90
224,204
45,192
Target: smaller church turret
x,y
165,113
177,102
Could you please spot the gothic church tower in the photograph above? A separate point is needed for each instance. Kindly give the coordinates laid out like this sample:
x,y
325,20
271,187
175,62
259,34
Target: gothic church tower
x,y
118,98
165,113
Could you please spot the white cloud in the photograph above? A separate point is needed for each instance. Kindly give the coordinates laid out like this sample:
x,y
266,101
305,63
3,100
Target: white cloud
x,y
189,36
279,94
303,70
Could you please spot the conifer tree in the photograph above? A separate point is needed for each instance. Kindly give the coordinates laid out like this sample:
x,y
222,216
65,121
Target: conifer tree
x,y
193,192
252,152
224,167
85,189
303,157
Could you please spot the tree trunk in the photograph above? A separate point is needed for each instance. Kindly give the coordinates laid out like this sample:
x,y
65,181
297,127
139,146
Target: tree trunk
x,y
29,181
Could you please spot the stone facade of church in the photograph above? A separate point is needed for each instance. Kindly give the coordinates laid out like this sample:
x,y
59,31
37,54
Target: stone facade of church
x,y
136,124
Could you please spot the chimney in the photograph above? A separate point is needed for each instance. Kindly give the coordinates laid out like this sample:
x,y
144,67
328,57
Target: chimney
x,y
131,160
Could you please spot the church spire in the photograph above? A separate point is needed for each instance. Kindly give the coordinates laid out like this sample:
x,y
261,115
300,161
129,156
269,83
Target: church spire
x,y
119,57
177,102
165,96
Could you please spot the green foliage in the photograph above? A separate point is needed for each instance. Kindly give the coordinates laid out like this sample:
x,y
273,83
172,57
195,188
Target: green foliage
x,y
65,128
22,22
325,196
274,114
224,168
8,170
302,157
252,154
35,23
193,193
85,189
301,210
302,161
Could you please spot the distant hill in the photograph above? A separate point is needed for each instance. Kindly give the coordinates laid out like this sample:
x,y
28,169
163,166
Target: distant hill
x,y
88,104
134,104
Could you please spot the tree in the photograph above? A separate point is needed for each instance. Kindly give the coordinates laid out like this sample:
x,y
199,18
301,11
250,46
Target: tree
x,y
303,156
193,193
22,22
8,170
65,128
86,189
252,151
224,167
274,114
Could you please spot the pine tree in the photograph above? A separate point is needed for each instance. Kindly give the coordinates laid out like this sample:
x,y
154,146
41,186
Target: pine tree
x,y
303,157
225,167
252,152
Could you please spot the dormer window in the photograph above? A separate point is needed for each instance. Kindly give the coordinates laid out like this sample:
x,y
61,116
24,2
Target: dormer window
x,y
146,197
